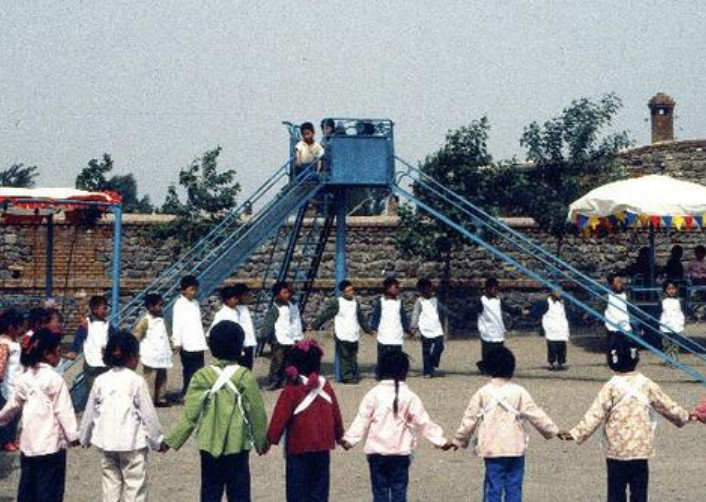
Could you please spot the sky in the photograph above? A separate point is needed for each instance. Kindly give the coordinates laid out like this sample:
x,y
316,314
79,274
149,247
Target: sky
x,y
157,83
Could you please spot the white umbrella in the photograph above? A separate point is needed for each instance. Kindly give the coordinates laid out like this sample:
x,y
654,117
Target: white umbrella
x,y
650,201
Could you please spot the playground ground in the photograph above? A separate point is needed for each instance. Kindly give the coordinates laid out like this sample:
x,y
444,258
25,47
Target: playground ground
x,y
555,471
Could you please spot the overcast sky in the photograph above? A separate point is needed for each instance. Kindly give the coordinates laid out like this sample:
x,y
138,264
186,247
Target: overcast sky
x,y
155,84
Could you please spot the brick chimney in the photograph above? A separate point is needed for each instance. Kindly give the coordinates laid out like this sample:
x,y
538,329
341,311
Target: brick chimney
x,y
662,117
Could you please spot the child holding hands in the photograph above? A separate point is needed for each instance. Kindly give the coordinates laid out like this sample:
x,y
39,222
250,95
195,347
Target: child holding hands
x,y
626,407
387,417
308,416
48,420
120,420
497,415
224,405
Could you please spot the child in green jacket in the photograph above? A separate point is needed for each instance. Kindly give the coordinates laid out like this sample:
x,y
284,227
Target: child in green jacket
x,y
224,407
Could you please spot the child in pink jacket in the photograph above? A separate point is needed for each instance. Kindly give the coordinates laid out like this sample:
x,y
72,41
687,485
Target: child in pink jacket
x,y
388,415
48,421
498,414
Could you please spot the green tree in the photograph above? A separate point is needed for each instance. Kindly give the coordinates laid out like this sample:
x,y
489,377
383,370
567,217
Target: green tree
x,y
93,177
210,195
19,176
465,166
570,155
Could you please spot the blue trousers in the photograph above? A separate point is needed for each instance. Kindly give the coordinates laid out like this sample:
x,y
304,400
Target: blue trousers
x,y
43,478
229,473
308,476
503,475
389,476
431,353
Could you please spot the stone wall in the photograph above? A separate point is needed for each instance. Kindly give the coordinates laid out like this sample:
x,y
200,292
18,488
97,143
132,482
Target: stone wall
x,y
680,159
83,255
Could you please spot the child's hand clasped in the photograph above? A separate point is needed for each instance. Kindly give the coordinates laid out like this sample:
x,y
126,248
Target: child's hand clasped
x,y
565,436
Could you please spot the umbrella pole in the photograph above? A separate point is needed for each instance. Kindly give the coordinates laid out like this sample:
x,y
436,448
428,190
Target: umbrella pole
x,y
652,256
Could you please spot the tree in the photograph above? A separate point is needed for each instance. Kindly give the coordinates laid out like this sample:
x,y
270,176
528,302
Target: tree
x,y
570,155
19,176
464,166
94,178
210,195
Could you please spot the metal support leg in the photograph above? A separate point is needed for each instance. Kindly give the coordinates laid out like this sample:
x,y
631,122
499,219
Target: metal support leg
x,y
117,246
49,279
340,259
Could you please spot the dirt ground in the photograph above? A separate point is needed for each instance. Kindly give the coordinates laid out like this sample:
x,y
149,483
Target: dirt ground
x,y
555,471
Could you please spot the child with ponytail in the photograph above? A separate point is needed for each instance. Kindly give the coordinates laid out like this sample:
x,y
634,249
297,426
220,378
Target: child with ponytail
x,y
48,420
388,416
120,420
307,413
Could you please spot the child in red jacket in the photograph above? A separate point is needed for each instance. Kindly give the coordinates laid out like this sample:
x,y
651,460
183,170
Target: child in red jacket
x,y
307,414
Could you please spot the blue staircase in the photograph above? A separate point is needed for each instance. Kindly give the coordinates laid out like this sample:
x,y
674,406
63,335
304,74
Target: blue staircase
x,y
535,262
228,245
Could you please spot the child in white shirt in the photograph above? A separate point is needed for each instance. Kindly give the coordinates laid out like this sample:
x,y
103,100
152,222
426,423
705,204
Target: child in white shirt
x,y
155,349
425,319
348,322
10,369
121,422
671,319
308,150
389,319
91,338
555,327
188,336
617,314
491,326
282,326
235,309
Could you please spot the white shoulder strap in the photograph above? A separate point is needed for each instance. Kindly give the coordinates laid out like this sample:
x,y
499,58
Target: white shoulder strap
x,y
499,400
224,379
312,395
631,391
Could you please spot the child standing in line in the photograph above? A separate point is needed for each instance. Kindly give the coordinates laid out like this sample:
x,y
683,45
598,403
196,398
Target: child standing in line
x,y
121,422
155,349
348,322
497,415
626,407
10,369
224,403
48,420
671,319
389,319
491,326
555,327
617,314
92,337
283,326
235,309
308,416
425,318
188,336
387,418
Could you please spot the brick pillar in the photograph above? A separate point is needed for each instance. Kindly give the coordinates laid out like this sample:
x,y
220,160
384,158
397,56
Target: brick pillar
x,y
662,117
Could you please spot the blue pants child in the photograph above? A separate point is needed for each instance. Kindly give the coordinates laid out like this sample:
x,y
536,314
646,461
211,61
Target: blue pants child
x,y
431,353
503,475
308,477
389,476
